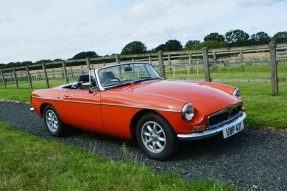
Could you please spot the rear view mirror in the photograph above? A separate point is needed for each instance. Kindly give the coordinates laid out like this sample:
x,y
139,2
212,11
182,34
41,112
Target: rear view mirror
x,y
128,69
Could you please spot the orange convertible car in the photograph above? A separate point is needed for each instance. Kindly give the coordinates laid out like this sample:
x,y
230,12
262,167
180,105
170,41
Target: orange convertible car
x,y
131,100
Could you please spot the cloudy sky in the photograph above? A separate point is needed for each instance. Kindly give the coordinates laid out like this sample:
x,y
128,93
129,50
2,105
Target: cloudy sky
x,y
31,30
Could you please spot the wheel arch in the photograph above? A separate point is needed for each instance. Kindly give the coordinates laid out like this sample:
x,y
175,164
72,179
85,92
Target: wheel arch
x,y
136,118
42,107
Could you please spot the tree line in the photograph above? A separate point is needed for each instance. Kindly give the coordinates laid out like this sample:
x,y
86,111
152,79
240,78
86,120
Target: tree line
x,y
233,38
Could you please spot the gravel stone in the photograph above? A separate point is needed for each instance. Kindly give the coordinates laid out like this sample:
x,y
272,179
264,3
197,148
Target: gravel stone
x,y
252,160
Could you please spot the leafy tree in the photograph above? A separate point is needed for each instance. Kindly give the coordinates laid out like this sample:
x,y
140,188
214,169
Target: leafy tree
x,y
237,38
88,54
260,38
41,61
280,37
191,43
14,64
135,47
208,44
214,37
160,47
27,63
173,45
214,44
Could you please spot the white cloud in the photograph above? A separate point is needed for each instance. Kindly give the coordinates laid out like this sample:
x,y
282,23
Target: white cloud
x,y
252,3
5,18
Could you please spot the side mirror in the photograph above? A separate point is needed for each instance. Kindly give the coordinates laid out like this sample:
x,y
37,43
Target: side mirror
x,y
93,89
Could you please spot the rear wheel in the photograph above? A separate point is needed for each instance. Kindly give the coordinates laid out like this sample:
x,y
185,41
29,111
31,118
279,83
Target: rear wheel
x,y
156,137
53,122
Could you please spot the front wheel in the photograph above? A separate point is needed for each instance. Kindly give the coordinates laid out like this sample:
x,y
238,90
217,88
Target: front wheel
x,y
53,122
156,137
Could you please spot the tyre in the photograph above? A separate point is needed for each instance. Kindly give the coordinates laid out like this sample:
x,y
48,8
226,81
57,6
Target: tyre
x,y
156,137
53,122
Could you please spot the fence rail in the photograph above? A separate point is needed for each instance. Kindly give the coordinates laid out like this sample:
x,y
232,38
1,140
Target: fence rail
x,y
270,54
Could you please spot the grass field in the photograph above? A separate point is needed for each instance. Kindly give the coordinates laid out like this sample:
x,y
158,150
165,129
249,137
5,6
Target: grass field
x,y
260,71
30,163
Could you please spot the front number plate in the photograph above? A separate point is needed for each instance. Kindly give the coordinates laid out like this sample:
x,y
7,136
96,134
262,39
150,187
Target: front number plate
x,y
233,130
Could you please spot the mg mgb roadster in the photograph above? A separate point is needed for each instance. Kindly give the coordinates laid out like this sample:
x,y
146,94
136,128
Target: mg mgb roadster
x,y
131,101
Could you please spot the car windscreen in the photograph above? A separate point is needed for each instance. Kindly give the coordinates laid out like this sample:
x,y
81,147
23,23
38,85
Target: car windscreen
x,y
126,73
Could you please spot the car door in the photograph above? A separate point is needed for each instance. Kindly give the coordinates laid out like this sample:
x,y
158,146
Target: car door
x,y
82,109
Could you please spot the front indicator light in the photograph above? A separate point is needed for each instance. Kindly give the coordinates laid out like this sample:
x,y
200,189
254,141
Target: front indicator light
x,y
198,129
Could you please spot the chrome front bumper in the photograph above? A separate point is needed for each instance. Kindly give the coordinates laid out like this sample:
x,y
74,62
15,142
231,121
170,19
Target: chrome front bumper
x,y
211,132
32,109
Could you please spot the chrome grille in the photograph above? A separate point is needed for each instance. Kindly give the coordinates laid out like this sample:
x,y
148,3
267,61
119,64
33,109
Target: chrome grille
x,y
224,116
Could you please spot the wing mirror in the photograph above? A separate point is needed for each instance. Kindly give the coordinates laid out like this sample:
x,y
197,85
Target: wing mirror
x,y
93,89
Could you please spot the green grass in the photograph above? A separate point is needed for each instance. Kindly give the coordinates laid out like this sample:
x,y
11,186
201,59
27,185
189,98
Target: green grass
x,y
260,71
263,109
24,91
30,163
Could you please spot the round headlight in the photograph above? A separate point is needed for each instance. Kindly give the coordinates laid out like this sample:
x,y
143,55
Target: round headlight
x,y
237,92
187,112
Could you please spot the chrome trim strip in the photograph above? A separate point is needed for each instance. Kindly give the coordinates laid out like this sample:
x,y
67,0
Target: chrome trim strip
x,y
140,107
219,112
46,98
117,105
82,102
212,132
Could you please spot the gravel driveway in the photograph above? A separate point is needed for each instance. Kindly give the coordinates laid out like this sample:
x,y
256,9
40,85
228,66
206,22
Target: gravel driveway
x,y
254,160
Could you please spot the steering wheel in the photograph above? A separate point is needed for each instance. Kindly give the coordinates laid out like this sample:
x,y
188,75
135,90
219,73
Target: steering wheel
x,y
109,80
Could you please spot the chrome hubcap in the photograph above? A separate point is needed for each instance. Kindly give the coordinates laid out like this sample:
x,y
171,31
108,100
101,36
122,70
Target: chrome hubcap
x,y
153,137
52,120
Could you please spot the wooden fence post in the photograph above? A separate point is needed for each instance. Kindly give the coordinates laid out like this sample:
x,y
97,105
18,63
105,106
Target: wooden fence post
x,y
169,64
29,77
3,79
53,73
149,60
190,70
88,61
117,56
82,71
45,74
273,63
161,63
205,64
71,71
15,77
214,62
241,61
65,71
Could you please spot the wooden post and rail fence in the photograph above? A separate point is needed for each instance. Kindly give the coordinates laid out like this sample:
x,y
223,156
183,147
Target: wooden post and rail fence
x,y
161,60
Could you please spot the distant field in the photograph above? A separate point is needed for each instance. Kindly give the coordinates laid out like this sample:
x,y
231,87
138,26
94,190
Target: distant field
x,y
229,72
